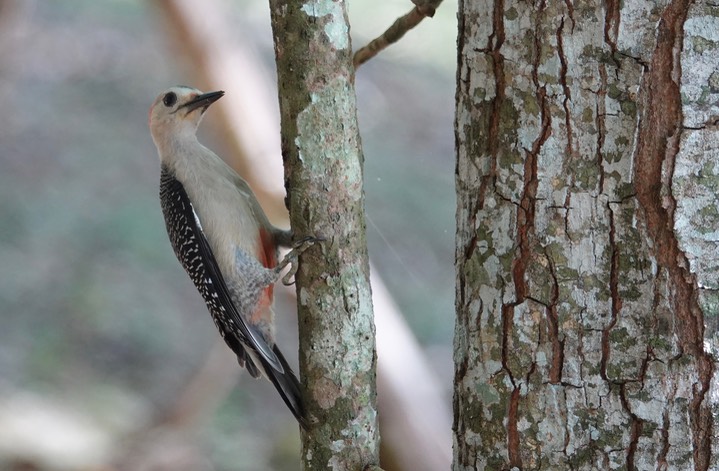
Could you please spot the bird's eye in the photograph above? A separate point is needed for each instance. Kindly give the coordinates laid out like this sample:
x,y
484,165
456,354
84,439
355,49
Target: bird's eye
x,y
169,99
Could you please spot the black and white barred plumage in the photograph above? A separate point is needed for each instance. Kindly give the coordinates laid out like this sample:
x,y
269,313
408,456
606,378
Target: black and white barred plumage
x,y
223,238
192,249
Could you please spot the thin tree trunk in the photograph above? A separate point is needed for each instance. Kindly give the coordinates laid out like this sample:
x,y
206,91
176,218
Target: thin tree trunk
x,y
581,303
324,174
410,435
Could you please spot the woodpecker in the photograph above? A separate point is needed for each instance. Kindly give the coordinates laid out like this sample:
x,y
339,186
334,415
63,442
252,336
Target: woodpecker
x,y
223,238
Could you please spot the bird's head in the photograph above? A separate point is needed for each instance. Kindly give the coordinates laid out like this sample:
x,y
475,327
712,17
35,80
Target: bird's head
x,y
178,110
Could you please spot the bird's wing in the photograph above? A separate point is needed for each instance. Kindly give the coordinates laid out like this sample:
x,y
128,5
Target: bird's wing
x,y
194,253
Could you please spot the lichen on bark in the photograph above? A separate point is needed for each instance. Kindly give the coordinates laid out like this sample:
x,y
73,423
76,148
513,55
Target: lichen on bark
x,y
324,177
580,327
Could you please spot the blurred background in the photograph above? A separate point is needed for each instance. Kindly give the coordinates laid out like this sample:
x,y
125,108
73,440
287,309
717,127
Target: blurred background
x,y
108,357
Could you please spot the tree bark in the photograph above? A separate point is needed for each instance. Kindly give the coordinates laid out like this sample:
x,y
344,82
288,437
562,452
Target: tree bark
x,y
324,177
586,236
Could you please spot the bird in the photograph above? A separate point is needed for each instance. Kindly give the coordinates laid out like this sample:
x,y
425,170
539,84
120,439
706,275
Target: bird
x,y
223,238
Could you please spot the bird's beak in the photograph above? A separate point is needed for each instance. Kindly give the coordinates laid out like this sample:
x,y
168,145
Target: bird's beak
x,y
203,101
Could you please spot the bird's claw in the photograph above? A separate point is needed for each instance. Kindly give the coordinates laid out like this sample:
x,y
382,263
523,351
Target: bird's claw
x,y
291,258
288,279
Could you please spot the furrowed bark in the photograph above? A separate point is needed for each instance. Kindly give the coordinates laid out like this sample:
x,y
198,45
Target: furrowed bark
x,y
586,322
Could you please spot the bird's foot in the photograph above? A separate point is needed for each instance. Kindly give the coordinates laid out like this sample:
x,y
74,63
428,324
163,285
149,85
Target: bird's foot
x,y
291,258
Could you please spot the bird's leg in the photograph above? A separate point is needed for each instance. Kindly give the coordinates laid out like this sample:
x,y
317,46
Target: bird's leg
x,y
291,258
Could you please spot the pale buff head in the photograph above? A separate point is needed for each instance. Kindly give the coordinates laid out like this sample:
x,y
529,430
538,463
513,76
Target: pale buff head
x,y
177,112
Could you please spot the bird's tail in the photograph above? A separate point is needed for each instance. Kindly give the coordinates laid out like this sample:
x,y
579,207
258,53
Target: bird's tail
x,y
287,385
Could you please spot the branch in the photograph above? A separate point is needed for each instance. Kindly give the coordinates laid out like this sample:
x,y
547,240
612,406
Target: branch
x,y
398,29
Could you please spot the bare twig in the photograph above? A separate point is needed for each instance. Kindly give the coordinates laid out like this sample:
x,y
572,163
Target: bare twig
x,y
398,29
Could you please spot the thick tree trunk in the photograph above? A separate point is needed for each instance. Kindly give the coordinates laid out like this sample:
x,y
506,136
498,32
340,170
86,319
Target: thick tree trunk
x,y
323,162
587,235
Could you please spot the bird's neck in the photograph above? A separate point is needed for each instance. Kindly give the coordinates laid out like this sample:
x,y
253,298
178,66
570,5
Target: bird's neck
x,y
188,159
